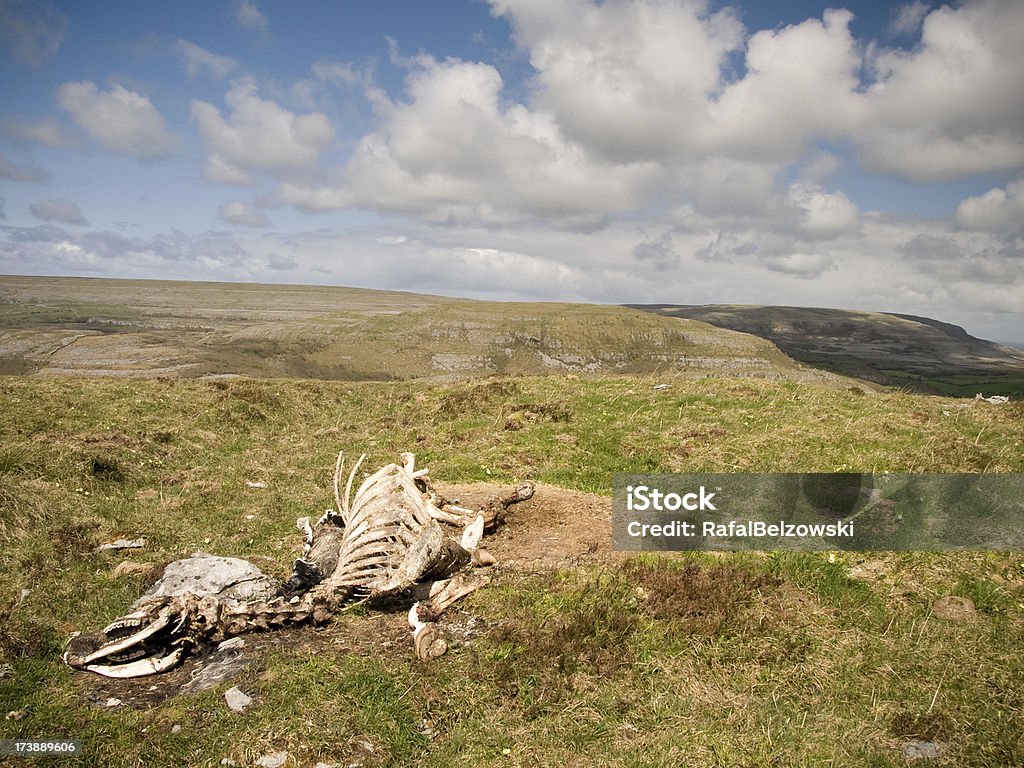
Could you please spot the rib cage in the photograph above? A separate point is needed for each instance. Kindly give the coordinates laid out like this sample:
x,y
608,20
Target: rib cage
x,y
390,536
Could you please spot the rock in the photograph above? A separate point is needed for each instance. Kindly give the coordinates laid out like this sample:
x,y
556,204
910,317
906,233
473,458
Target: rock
x,y
954,608
275,760
175,729
122,544
922,750
257,484
994,400
221,666
237,700
229,578
231,642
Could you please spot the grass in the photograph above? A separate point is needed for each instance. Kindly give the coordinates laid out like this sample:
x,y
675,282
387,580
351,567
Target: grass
x,y
741,659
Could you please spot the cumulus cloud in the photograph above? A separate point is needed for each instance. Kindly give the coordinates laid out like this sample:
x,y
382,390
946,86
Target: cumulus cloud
x,y
47,133
242,214
620,113
618,82
998,210
123,121
60,210
629,80
455,152
801,82
822,214
259,135
27,174
252,18
953,106
198,61
31,31
803,265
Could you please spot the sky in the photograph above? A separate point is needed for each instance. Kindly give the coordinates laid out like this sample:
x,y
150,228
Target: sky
x,y
858,155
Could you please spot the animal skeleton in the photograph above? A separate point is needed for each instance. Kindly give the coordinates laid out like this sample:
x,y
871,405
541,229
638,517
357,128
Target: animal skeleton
x,y
377,544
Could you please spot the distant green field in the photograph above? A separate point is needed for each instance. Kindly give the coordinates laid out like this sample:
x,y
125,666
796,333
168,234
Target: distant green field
x,y
964,385
796,660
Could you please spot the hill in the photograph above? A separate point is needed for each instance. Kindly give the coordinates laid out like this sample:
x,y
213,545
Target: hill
x,y
76,326
919,353
574,655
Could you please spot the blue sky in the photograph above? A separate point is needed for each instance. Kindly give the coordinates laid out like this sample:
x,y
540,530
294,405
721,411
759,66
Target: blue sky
x,y
858,155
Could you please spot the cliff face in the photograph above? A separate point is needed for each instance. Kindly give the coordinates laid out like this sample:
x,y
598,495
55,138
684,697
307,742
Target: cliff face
x,y
919,353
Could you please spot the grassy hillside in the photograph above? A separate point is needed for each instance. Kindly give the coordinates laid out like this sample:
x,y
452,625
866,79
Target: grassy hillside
x,y
62,326
573,655
917,353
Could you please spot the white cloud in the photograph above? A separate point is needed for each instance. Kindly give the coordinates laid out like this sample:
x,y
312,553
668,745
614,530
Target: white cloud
x,y
252,18
953,106
818,166
628,80
800,84
47,133
619,82
221,171
121,120
197,61
60,210
998,210
455,152
27,174
802,265
340,73
31,31
724,186
621,113
907,18
259,135
822,214
242,214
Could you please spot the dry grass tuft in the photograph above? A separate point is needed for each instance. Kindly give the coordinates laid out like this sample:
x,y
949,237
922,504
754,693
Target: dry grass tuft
x,y
707,600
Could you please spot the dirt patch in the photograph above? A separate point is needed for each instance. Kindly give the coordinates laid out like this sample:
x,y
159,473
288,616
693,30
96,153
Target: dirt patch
x,y
557,528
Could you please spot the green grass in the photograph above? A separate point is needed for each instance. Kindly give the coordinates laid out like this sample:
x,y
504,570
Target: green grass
x,y
697,659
